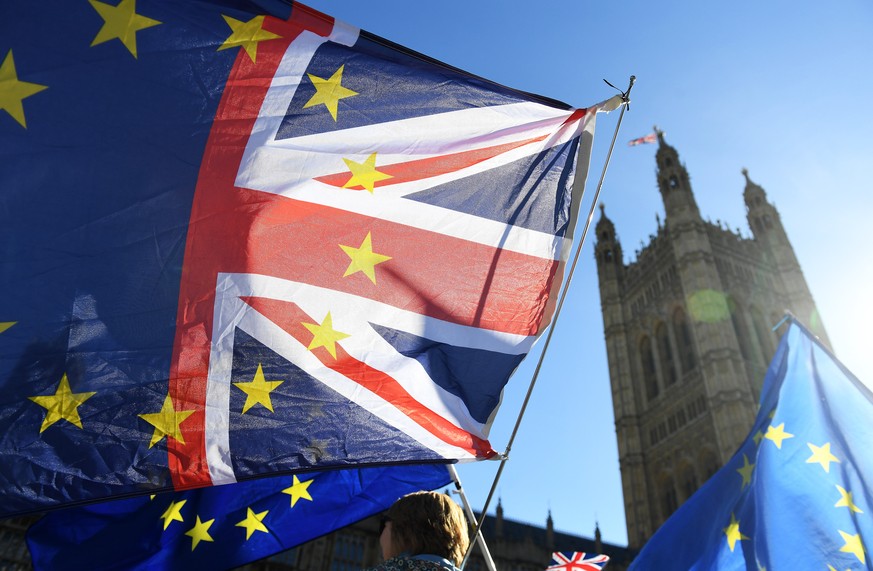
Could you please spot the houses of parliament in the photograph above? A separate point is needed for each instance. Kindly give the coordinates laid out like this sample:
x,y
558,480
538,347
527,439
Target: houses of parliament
x,y
689,333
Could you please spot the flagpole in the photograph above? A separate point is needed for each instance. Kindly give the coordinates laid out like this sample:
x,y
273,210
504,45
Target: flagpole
x,y
489,562
625,96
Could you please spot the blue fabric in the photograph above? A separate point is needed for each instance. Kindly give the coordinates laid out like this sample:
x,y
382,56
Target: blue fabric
x,y
131,534
106,332
95,202
792,509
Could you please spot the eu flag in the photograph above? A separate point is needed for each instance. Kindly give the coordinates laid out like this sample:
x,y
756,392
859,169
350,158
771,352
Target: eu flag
x,y
797,494
241,242
220,527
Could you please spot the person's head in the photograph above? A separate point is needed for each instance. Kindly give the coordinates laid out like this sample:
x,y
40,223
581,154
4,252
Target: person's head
x,y
425,522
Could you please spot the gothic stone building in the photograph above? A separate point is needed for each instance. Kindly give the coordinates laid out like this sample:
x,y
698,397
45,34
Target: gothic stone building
x,y
688,330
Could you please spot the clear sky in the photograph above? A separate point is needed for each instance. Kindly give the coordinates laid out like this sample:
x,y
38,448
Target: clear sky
x,y
781,88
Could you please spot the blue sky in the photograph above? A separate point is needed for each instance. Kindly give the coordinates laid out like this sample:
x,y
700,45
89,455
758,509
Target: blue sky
x,y
781,88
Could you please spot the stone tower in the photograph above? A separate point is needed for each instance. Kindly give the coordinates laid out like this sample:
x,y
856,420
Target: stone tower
x,y
688,329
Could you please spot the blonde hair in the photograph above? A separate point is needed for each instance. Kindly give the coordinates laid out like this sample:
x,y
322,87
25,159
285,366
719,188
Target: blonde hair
x,y
429,522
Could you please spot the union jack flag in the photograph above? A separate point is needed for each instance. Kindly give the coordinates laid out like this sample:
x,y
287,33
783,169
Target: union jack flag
x,y
576,561
650,138
393,228
319,250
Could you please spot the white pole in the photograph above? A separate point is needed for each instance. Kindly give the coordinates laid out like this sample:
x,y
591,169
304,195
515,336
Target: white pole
x,y
489,562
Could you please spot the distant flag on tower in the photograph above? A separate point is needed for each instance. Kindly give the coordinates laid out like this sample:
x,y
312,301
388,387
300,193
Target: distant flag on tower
x,y
797,494
577,561
650,138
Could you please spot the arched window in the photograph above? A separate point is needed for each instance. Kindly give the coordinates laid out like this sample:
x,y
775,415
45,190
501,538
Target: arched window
x,y
665,354
647,360
762,332
740,329
686,344
689,482
607,256
674,182
708,464
671,502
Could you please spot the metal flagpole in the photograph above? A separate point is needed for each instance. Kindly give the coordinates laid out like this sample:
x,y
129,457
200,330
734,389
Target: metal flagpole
x,y
489,562
625,97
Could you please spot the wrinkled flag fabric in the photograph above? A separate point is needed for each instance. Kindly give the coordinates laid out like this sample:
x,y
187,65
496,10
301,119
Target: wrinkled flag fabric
x,y
241,242
797,493
220,527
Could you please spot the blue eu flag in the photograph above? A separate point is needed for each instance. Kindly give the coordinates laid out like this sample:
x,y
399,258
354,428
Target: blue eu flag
x,y
222,526
797,494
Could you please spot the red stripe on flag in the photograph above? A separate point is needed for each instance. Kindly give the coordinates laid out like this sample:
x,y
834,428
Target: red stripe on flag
x,y
216,203
236,230
290,318
426,168
430,273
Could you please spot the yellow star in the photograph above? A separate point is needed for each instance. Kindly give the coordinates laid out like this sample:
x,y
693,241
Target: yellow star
x,y
363,259
258,391
328,92
253,522
247,35
853,545
364,174
120,22
831,568
822,455
777,434
732,531
746,472
298,491
12,93
200,532
4,325
63,405
325,335
173,513
759,436
846,501
167,422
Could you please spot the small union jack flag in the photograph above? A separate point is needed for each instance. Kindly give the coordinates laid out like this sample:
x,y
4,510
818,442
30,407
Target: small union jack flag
x,y
650,138
576,561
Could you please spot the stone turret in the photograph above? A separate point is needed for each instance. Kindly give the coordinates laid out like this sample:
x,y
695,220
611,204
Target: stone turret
x,y
766,225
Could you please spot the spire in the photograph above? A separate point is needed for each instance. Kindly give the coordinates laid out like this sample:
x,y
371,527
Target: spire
x,y
607,249
550,531
598,541
753,194
605,228
674,184
498,522
762,216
